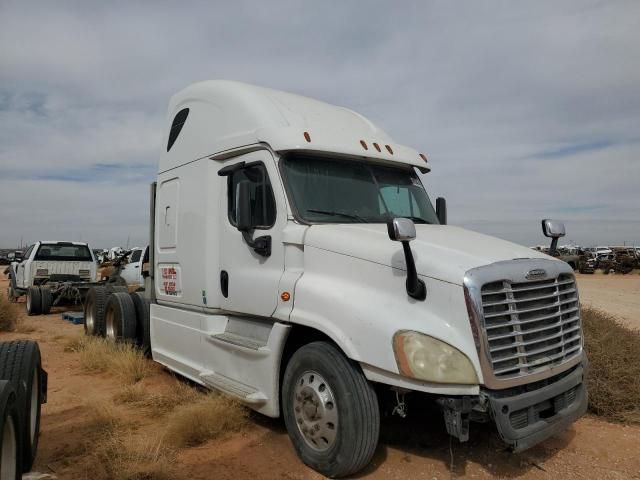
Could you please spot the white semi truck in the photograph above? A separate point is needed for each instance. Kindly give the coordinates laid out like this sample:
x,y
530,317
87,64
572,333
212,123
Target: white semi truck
x,y
297,264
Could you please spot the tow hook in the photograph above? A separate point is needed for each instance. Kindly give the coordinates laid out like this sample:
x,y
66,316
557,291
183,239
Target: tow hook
x,y
456,416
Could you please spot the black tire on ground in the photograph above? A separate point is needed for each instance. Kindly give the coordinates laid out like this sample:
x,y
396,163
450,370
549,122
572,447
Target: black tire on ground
x,y
120,317
10,444
33,301
20,363
94,305
143,323
45,300
326,394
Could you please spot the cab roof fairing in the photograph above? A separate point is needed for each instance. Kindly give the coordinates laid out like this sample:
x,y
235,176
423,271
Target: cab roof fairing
x,y
241,115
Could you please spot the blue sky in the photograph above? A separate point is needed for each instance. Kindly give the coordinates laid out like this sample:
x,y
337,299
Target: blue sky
x,y
527,110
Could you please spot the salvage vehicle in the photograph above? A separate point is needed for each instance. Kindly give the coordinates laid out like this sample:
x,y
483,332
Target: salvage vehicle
x,y
297,263
131,272
50,273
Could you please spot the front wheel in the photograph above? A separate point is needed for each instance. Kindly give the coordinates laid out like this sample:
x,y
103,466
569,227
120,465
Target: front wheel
x,y
330,410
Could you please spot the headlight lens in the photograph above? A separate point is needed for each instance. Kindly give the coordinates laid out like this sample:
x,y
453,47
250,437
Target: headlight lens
x,y
426,358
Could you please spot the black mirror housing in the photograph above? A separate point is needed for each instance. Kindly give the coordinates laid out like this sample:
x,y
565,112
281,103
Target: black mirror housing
x,y
441,210
244,219
553,228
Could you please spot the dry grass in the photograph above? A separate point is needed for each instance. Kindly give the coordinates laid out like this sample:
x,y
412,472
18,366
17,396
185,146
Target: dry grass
x,y
8,315
120,359
103,418
158,404
126,457
614,367
209,417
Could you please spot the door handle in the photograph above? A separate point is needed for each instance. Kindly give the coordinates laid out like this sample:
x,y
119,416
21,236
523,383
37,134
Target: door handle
x,y
224,283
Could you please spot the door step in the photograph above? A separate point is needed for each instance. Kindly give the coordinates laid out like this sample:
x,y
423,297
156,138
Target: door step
x,y
239,340
232,387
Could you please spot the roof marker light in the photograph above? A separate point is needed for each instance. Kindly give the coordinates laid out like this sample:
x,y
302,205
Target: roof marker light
x,y
364,144
389,149
424,157
377,147
307,137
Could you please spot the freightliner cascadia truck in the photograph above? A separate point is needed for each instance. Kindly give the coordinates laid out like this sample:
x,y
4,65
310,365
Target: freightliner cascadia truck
x,y
299,265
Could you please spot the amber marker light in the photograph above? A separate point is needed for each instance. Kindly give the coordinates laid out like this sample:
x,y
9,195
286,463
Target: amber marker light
x,y
389,149
424,157
285,296
377,147
307,137
364,144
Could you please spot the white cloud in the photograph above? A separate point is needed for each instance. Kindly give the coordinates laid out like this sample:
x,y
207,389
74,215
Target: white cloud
x,y
488,90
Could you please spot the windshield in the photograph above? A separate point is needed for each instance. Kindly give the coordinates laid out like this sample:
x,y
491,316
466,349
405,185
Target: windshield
x,y
327,190
63,251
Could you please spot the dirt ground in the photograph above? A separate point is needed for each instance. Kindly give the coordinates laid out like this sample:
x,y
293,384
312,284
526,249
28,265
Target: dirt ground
x,y
411,448
615,294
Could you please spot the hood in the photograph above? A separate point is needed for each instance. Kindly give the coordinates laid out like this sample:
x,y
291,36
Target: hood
x,y
442,252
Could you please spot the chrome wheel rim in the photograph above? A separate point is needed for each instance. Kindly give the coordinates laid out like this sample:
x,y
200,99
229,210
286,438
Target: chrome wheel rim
x,y
113,327
8,459
89,321
315,411
35,385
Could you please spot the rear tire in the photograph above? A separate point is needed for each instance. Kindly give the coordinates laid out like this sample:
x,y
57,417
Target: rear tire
x,y
10,445
45,300
143,323
94,305
120,317
33,301
330,410
20,364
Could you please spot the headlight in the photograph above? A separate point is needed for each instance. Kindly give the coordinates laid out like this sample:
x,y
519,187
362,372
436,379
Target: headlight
x,y
425,358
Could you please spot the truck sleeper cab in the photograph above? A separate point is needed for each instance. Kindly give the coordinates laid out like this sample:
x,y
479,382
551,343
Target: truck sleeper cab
x,y
297,262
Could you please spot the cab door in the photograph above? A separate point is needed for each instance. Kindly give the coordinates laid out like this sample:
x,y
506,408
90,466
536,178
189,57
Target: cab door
x,y
22,273
249,276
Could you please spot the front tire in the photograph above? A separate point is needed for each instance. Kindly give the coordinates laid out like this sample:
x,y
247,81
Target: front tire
x,y
330,410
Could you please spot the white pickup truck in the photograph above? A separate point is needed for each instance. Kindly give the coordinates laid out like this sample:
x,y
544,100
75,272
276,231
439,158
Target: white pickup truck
x,y
50,272
297,264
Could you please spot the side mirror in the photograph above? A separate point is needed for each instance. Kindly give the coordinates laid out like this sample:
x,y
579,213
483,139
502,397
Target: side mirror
x,y
552,228
441,210
404,230
244,221
401,230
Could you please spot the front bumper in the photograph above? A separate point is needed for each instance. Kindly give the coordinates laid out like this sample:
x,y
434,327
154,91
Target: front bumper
x,y
525,418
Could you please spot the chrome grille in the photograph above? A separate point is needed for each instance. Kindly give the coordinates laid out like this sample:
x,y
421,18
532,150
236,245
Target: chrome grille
x,y
531,325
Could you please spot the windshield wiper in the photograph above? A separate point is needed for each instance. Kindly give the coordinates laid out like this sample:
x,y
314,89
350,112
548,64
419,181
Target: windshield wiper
x,y
338,214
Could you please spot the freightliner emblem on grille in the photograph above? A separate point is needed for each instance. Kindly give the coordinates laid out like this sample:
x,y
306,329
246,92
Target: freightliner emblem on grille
x,y
536,274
